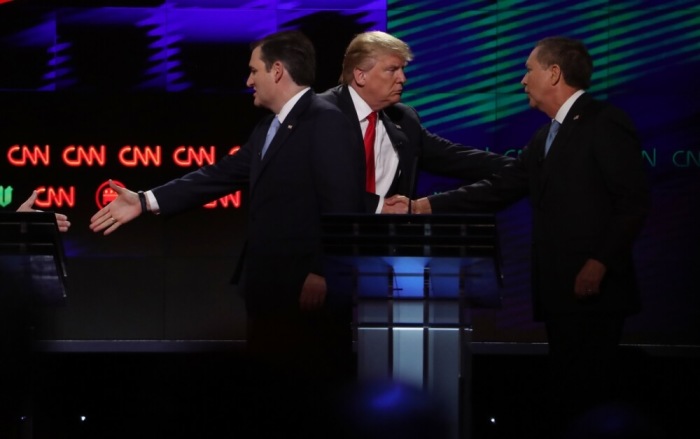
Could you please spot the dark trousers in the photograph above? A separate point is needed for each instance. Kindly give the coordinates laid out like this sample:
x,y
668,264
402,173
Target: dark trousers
x,y
300,362
315,346
584,361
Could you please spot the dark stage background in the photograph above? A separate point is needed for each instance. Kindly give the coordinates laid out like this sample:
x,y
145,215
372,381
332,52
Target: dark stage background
x,y
144,91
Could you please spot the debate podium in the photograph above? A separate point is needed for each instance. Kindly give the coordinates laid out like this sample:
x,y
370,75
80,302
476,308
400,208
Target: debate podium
x,y
33,275
414,280
32,260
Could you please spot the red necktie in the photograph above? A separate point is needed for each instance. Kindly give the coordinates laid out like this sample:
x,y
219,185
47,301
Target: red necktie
x,y
369,151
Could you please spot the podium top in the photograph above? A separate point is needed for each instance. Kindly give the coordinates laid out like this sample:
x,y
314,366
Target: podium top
x,y
448,235
28,233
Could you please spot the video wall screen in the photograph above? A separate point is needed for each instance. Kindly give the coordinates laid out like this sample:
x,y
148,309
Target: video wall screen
x,y
144,91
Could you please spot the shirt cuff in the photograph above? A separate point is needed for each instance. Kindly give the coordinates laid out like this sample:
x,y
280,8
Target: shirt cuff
x,y
380,205
152,202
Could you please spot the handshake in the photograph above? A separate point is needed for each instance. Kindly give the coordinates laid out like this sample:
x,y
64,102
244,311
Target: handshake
x,y
399,204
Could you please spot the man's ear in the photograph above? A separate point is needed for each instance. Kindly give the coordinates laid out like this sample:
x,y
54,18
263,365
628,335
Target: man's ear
x,y
360,76
277,70
556,74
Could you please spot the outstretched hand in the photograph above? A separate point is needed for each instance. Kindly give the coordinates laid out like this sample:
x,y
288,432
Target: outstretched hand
x,y
61,219
121,210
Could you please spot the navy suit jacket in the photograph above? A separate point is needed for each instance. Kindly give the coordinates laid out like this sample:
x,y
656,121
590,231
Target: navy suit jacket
x,y
311,168
589,198
417,148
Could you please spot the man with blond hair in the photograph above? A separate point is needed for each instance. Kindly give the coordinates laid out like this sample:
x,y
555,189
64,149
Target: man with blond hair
x,y
397,146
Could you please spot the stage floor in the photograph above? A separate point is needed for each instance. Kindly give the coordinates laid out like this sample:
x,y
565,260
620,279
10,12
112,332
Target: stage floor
x,y
102,395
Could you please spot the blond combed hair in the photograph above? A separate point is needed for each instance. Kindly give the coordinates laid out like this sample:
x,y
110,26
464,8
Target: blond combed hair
x,y
364,48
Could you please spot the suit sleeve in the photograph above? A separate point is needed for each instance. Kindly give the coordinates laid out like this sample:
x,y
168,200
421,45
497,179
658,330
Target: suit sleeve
x,y
229,174
509,184
441,156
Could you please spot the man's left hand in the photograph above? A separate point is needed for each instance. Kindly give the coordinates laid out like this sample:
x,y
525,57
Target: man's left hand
x,y
313,293
589,278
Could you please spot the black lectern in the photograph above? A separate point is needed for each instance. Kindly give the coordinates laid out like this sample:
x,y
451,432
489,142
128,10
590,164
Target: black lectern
x,y
31,257
33,274
412,279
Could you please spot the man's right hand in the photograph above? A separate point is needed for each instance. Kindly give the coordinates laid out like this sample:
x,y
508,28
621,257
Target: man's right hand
x,y
397,204
120,211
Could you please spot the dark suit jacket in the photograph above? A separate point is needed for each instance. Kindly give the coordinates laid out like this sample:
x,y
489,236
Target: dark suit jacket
x,y
311,168
417,148
589,199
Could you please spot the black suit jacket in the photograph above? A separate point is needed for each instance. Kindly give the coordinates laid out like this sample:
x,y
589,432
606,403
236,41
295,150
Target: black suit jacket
x,y
589,199
417,148
311,168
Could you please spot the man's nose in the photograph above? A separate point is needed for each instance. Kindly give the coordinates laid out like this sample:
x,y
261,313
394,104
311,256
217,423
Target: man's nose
x,y
402,76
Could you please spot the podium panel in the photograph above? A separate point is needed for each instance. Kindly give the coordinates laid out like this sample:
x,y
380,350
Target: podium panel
x,y
31,257
409,278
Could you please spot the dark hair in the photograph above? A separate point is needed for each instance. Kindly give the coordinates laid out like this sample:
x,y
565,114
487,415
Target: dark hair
x,y
294,50
571,56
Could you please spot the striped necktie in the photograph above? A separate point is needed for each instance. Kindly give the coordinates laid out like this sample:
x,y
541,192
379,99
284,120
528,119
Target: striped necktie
x,y
274,126
553,130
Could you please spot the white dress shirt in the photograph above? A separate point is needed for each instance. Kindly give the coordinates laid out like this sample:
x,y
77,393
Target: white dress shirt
x,y
386,160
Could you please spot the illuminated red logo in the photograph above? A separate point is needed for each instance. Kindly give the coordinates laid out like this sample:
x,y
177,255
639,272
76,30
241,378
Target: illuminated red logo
x,y
131,156
79,155
49,197
186,156
230,200
22,155
106,194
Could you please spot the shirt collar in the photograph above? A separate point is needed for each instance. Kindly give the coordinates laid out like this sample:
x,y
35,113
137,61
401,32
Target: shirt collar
x,y
564,109
287,108
361,107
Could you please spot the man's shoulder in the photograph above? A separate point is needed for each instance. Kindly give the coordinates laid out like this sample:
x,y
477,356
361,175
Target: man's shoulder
x,y
319,102
401,112
400,107
324,112
588,103
594,108
332,94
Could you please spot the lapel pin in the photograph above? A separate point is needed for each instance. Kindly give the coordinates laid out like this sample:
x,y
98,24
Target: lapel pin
x,y
576,117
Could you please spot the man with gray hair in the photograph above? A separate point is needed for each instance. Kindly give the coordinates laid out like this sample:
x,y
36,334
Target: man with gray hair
x,y
583,173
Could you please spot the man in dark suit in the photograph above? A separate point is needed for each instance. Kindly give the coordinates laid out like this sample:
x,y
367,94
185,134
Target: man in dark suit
x,y
310,168
372,81
589,197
